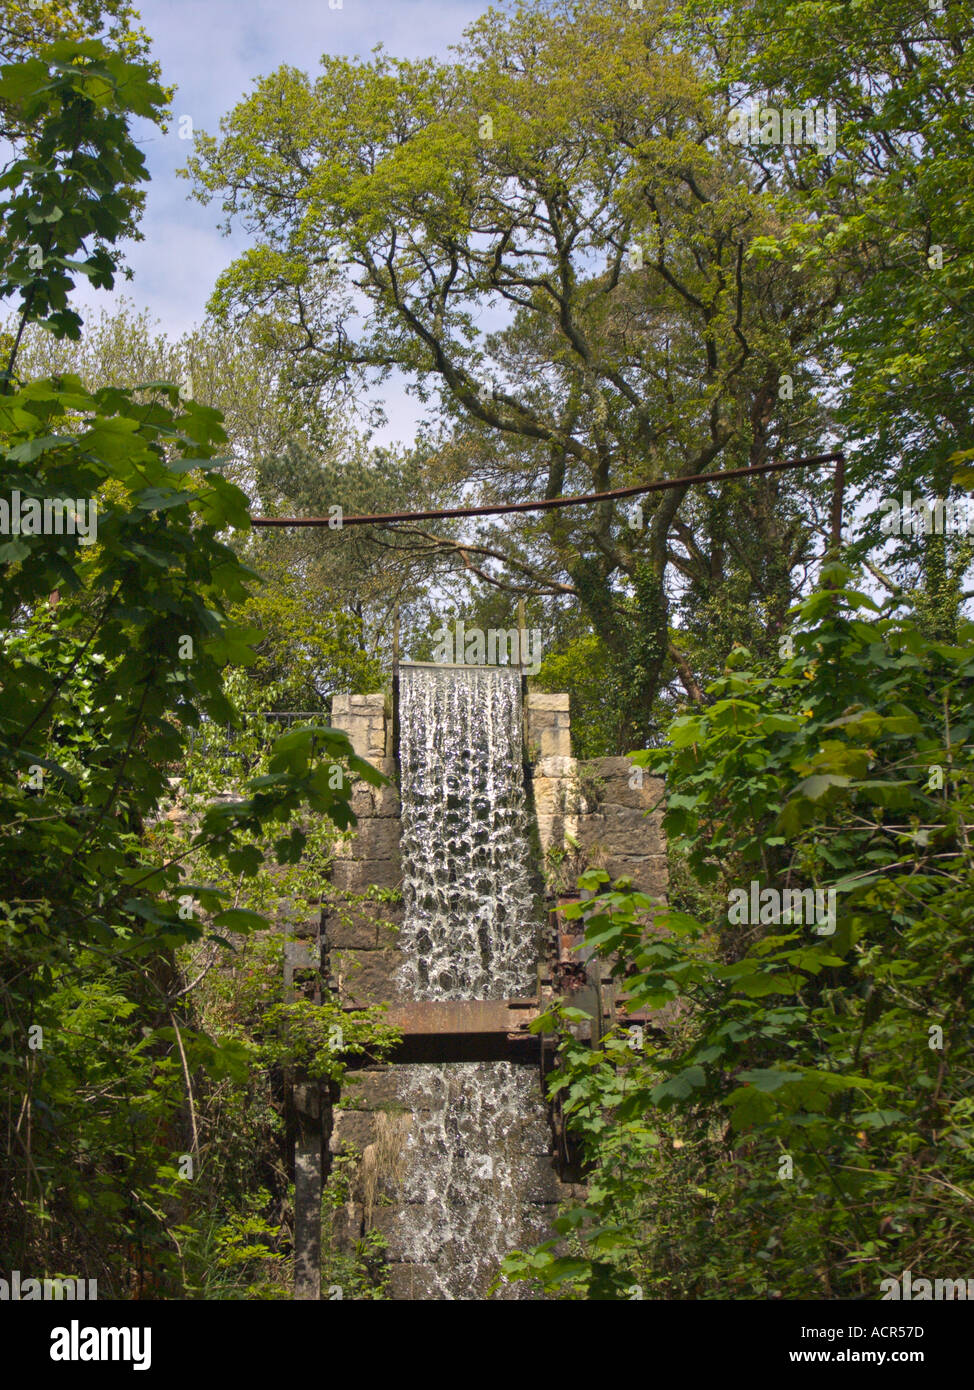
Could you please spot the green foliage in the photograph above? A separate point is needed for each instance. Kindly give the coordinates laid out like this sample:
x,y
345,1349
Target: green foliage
x,y
588,673
892,215
29,24
229,370
76,181
308,648
800,1127
117,642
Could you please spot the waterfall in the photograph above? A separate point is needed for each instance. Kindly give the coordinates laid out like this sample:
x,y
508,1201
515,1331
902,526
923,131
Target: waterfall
x,y
469,932
469,920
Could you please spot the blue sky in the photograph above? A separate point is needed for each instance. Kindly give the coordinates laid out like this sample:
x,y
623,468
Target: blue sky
x,y
212,50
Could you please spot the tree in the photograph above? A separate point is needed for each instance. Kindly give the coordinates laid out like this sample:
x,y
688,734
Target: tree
x,y
26,27
227,371
367,571
116,591
891,212
571,173
313,616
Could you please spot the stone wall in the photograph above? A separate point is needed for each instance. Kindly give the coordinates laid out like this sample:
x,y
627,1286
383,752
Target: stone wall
x,y
359,949
596,813
360,940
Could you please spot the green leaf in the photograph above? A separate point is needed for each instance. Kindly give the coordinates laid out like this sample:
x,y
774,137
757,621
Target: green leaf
x,y
241,919
678,1087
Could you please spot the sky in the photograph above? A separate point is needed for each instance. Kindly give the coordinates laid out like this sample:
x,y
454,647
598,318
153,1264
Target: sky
x,y
212,51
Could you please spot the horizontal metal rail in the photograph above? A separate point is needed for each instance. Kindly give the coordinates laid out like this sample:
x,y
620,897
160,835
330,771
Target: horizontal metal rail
x,y
459,1017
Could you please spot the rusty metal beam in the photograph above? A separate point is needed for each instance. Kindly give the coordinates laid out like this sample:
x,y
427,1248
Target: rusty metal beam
x,y
462,1017
483,1030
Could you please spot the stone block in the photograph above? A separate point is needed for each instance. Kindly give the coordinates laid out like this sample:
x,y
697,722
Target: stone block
x,y
363,719
375,837
538,701
372,1088
352,1128
555,743
649,874
380,802
615,773
608,768
373,702
355,875
553,830
555,766
365,977
554,796
411,1283
358,737
621,830
388,1220
363,926
547,719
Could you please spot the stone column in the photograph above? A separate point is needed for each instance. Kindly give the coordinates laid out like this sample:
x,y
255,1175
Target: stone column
x,y
360,942
554,772
598,813
359,939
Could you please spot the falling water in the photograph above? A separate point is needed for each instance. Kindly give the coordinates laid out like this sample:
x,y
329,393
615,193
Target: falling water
x,y
468,933
468,930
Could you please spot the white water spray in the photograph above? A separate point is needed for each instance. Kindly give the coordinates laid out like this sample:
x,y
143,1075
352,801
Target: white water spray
x,y
469,932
